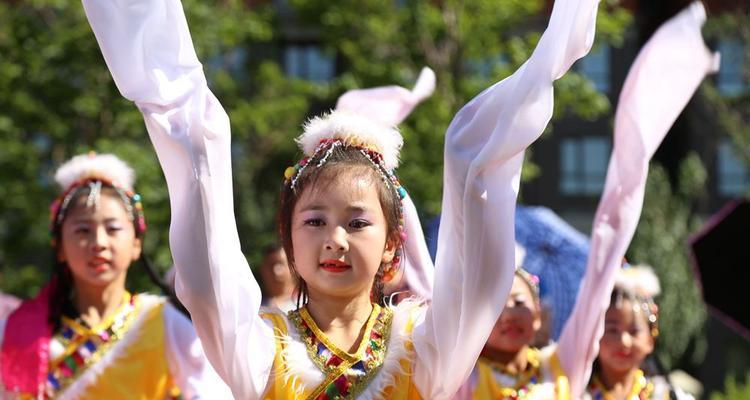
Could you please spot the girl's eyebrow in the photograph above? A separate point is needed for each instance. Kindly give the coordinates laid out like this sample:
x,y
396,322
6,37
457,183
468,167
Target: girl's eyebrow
x,y
357,207
313,207
86,220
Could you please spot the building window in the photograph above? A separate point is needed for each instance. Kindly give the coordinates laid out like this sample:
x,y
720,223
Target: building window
x,y
583,165
730,80
732,174
309,61
597,66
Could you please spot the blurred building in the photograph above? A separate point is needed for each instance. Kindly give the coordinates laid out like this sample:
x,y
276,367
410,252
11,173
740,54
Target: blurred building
x,y
574,160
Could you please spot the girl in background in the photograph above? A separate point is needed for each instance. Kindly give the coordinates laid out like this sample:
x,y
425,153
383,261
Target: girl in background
x,y
662,79
85,336
631,326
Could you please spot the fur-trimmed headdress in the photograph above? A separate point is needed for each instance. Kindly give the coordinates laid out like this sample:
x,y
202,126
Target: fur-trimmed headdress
x,y
93,171
366,120
638,284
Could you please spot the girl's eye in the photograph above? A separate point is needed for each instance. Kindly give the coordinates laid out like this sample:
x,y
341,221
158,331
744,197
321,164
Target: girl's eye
x,y
314,222
114,228
81,230
359,224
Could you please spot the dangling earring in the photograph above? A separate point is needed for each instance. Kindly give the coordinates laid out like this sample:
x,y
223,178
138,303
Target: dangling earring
x,y
389,271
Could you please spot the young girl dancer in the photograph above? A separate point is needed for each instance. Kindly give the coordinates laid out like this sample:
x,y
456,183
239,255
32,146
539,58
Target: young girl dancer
x,y
660,83
340,220
630,329
85,336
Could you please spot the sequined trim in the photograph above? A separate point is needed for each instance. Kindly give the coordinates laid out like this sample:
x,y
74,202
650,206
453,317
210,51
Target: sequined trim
x,y
346,375
518,386
642,388
83,347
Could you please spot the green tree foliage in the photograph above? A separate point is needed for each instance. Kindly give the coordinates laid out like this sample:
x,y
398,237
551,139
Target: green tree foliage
x,y
469,44
734,390
733,109
660,241
59,99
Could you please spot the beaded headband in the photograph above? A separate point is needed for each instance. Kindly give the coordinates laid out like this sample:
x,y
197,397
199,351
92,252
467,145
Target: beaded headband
x,y
530,279
379,144
639,285
94,172
366,120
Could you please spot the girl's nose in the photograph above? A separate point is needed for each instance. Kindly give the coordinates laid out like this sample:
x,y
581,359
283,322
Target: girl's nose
x,y
100,239
336,241
626,339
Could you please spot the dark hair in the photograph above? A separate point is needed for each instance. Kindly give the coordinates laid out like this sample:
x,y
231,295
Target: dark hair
x,y
60,302
340,160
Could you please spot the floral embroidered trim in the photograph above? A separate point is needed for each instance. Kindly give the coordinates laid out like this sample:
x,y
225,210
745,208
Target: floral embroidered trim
x,y
346,375
642,388
523,383
80,347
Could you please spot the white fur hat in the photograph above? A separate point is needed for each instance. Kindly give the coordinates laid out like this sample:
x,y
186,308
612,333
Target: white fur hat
x,y
354,129
638,280
368,118
103,166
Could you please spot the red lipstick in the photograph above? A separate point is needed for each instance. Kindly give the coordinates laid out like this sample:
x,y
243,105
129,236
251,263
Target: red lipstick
x,y
335,266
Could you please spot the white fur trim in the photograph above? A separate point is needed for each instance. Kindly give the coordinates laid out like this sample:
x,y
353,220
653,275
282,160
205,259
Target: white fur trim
x,y
354,129
425,85
91,376
303,374
397,351
104,166
639,280
300,372
520,255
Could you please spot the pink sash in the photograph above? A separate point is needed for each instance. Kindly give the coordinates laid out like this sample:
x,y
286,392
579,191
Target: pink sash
x,y
25,348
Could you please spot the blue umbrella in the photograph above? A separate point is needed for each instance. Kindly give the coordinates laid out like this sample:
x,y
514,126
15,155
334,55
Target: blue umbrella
x,y
555,251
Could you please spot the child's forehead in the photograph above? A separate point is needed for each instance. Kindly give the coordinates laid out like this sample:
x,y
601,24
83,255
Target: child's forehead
x,y
625,312
346,186
107,205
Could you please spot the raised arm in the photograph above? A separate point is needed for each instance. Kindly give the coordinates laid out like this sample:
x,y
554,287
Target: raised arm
x,y
660,83
148,49
483,157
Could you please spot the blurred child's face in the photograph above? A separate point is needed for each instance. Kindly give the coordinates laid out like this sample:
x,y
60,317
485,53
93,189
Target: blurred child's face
x,y
519,321
627,338
339,235
98,243
275,272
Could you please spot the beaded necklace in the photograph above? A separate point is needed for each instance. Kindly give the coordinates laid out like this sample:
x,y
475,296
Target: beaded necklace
x,y
346,375
523,381
642,388
76,347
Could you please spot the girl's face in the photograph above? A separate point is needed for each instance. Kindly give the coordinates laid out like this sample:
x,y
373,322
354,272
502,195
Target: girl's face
x,y
627,338
274,270
339,235
98,243
519,321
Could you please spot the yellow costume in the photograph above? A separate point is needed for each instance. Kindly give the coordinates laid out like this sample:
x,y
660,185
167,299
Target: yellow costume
x,y
308,366
127,351
542,379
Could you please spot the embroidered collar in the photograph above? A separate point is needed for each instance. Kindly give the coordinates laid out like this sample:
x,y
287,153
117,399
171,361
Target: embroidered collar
x,y
346,374
517,386
642,388
75,347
